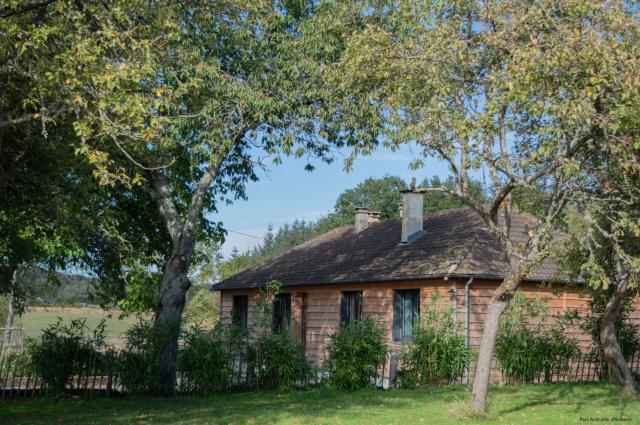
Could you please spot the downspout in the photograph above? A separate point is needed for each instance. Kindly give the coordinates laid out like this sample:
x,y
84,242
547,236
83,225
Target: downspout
x,y
467,310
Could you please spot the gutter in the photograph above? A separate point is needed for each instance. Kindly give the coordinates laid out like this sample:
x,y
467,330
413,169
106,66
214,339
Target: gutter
x,y
445,276
467,310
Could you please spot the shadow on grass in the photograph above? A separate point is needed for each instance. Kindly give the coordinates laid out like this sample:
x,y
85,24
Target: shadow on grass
x,y
317,404
323,405
567,394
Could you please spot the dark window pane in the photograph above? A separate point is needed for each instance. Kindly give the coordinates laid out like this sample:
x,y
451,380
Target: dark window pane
x,y
239,312
281,312
350,307
406,309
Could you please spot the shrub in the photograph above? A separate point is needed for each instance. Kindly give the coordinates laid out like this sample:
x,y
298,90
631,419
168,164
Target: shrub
x,y
438,353
528,352
205,361
138,365
278,361
356,351
65,350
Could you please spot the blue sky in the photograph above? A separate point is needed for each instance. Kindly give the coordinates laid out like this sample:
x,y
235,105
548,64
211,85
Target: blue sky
x,y
288,192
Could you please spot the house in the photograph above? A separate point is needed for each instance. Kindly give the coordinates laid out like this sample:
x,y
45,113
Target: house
x,y
390,270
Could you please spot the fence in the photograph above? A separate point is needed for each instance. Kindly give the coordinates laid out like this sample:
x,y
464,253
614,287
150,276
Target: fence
x,y
99,375
14,338
19,378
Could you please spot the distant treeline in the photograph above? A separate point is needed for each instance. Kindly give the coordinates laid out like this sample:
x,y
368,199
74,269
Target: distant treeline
x,y
56,289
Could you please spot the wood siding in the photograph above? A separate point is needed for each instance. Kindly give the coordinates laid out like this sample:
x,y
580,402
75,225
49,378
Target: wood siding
x,y
323,307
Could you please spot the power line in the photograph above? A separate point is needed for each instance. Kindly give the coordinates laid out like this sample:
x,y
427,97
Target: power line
x,y
243,234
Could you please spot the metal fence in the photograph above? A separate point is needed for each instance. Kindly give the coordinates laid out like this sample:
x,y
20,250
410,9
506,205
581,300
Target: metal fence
x,y
12,338
18,377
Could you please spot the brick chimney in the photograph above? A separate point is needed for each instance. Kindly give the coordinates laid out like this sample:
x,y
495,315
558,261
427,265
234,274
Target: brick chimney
x,y
412,215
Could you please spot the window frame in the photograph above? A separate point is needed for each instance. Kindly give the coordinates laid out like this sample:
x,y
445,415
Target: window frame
x,y
346,298
240,311
400,297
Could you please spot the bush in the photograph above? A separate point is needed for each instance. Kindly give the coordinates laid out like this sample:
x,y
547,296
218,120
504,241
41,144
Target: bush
x,y
205,361
278,361
355,353
527,353
65,350
438,353
138,365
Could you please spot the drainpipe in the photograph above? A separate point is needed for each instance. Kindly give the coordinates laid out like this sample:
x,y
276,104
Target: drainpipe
x,y
467,310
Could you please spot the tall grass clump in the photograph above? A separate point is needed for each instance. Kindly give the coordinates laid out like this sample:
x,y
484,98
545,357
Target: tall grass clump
x,y
438,353
526,349
205,360
64,350
356,351
276,359
138,365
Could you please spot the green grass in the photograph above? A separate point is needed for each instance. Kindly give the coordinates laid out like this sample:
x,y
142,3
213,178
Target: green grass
x,y
33,321
531,404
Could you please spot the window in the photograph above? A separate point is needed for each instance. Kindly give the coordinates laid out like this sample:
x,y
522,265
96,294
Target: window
x,y
406,309
350,307
239,312
281,312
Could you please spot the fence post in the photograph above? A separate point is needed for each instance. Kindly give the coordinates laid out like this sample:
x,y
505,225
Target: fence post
x,y
110,374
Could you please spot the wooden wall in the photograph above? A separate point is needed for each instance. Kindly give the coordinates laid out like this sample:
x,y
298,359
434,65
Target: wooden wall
x,y
323,306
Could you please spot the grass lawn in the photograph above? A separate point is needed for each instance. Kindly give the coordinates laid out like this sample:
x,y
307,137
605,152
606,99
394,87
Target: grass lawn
x,y
532,404
37,318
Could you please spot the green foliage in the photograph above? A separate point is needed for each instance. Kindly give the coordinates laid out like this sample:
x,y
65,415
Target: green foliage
x,y
438,201
203,306
627,332
63,350
378,194
205,362
138,364
4,307
438,353
356,351
529,352
278,361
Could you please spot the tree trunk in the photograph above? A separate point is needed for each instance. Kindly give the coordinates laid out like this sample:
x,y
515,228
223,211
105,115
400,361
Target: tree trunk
x,y
171,302
8,327
497,305
619,370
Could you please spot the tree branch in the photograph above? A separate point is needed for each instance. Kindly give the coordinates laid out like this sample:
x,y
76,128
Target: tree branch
x,y
7,12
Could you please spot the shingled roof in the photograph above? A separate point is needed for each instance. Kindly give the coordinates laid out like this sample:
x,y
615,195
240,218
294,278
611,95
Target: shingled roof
x,y
456,243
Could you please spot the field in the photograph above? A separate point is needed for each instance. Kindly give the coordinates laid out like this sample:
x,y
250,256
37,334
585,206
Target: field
x,y
530,404
37,318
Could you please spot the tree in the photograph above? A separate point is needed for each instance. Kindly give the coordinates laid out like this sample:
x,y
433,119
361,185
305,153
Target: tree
x,y
172,103
443,200
605,253
508,88
604,234
381,195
